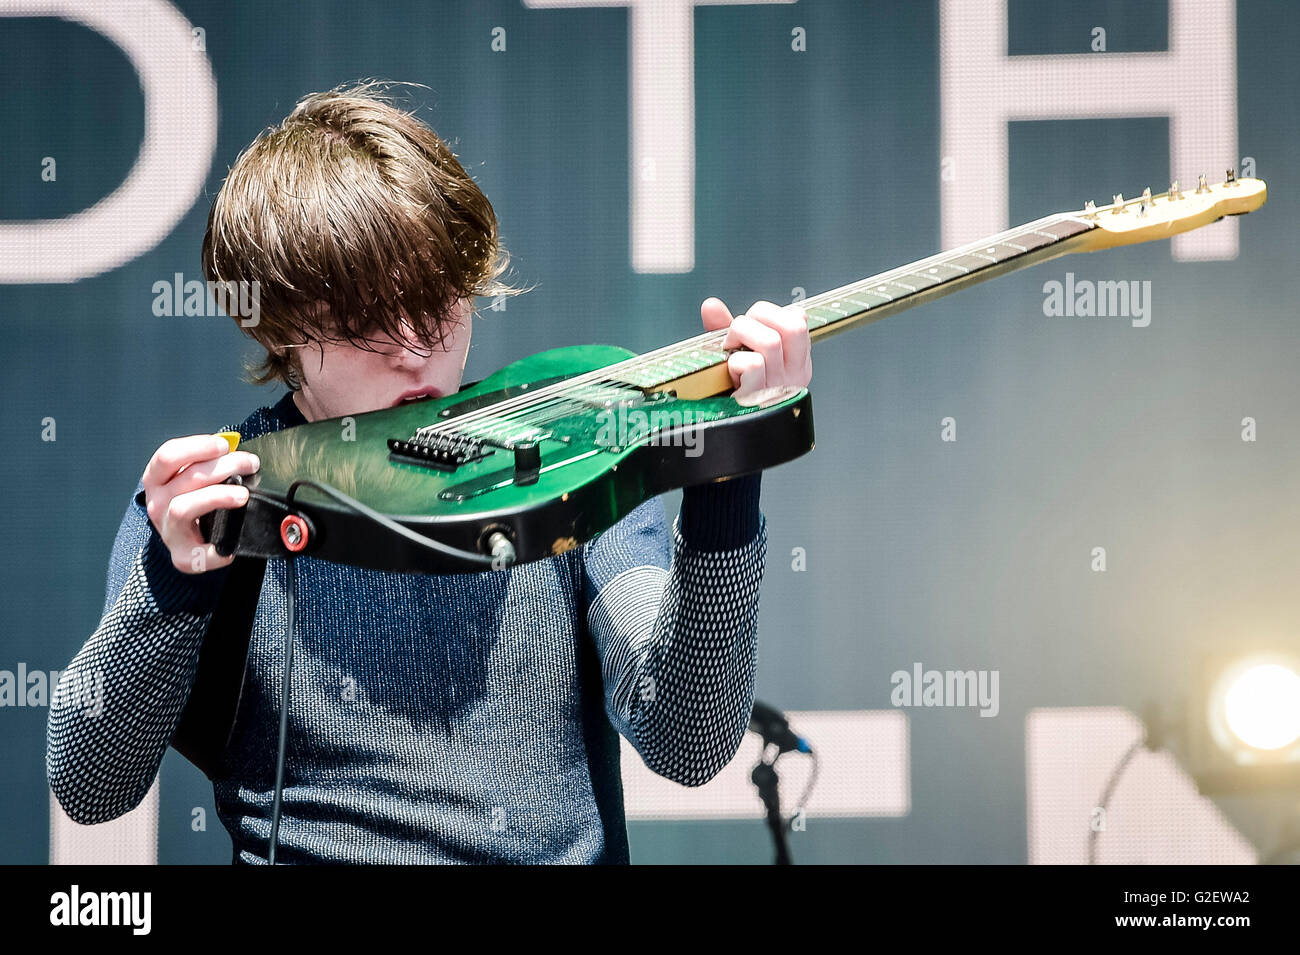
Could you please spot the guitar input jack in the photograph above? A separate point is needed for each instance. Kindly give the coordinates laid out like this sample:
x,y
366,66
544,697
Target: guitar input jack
x,y
295,533
501,548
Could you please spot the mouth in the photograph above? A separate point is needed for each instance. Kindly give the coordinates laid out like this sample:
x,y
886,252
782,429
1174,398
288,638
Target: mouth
x,y
421,394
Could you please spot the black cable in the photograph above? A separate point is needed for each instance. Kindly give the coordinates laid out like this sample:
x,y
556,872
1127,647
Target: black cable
x,y
291,586
1109,791
808,787
386,522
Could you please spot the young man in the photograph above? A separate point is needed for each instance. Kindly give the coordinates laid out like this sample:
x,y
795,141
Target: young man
x,y
458,718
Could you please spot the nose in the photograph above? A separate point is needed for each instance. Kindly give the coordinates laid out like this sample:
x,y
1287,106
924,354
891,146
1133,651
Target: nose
x,y
408,352
410,359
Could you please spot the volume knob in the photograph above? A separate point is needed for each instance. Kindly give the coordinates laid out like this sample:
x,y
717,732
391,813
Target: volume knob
x,y
528,462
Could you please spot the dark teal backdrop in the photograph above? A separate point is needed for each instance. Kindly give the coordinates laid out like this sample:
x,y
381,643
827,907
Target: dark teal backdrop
x,y
812,169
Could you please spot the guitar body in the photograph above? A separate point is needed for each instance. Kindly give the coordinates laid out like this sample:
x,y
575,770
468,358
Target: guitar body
x,y
595,463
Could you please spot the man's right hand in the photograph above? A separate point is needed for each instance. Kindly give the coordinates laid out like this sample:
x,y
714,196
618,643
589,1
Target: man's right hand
x,y
185,480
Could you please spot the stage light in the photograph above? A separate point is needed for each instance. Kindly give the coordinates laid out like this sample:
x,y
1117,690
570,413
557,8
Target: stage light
x,y
1262,706
1254,709
1238,728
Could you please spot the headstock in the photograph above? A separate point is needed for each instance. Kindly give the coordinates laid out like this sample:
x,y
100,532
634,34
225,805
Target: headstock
x,y
1149,217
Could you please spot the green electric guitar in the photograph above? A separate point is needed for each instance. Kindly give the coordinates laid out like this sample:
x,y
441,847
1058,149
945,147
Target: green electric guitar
x,y
548,452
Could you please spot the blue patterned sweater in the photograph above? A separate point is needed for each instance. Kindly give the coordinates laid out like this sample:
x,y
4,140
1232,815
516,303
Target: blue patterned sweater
x,y
458,718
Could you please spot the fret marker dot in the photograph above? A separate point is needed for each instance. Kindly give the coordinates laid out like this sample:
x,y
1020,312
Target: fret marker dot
x,y
990,251
932,271
880,288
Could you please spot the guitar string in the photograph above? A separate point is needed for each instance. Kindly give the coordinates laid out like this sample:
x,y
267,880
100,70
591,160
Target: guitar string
x,y
517,411
510,411
506,413
537,409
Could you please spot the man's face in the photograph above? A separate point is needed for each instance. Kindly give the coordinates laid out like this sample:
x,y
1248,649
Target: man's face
x,y
342,379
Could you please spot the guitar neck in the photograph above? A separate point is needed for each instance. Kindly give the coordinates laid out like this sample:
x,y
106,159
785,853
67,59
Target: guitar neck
x,y
696,368
874,298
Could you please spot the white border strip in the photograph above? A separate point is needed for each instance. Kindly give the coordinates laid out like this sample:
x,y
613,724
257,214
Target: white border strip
x,y
131,839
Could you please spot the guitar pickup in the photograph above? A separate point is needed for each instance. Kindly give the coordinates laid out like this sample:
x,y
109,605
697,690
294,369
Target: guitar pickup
x,y
443,452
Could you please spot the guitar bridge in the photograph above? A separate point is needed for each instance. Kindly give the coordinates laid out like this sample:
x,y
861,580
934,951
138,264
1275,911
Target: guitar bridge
x,y
445,452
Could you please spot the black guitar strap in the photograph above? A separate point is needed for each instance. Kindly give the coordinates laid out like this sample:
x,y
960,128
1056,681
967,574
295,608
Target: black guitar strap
x,y
208,720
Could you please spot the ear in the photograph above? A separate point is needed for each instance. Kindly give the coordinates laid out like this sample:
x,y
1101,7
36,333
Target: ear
x,y
291,358
293,374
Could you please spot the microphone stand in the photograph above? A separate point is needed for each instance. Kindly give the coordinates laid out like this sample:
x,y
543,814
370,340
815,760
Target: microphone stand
x,y
769,790
772,727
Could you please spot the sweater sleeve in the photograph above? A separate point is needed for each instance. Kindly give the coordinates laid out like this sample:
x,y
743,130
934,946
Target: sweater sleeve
x,y
674,618
119,701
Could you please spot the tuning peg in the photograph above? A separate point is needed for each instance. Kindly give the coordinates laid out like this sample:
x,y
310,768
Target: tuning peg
x,y
1200,184
1230,176
1146,201
1090,208
1174,191
1117,201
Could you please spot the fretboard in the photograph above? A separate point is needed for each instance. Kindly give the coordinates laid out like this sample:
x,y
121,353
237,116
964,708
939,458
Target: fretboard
x,y
684,366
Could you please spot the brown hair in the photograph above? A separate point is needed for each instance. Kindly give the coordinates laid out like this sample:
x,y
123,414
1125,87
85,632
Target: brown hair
x,y
352,216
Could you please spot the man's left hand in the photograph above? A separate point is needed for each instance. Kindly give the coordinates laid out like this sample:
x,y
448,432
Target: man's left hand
x,y
779,351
